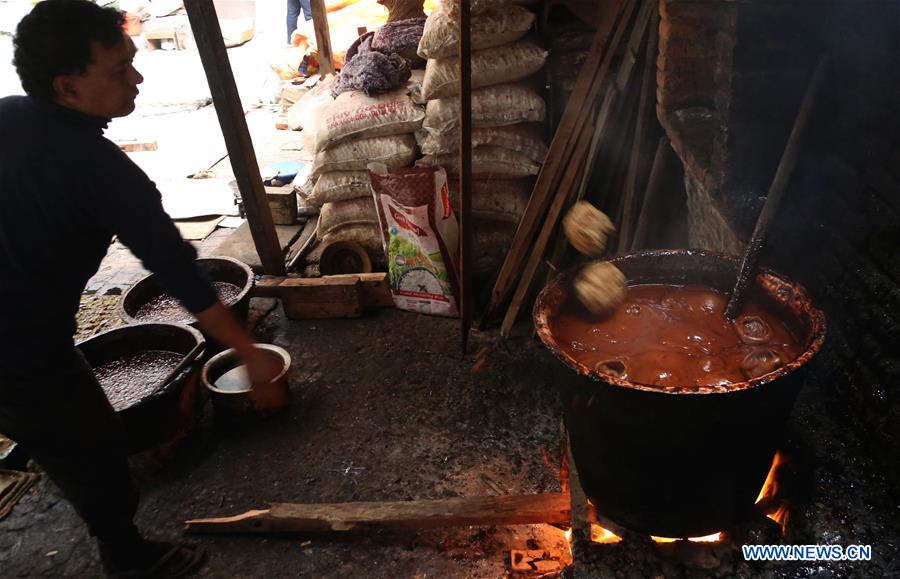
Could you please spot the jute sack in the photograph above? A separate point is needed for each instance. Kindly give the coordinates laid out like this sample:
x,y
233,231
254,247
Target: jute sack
x,y
487,163
339,186
394,151
354,115
495,199
494,27
523,138
489,67
500,105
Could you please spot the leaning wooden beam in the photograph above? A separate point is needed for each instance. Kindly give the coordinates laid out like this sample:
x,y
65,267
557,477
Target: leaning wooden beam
x,y
590,79
208,36
639,152
466,305
567,193
405,515
323,37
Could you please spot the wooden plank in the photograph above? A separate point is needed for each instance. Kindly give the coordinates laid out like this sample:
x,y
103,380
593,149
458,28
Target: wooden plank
x,y
590,79
565,195
637,163
466,304
374,290
208,36
241,247
304,243
560,201
404,515
323,37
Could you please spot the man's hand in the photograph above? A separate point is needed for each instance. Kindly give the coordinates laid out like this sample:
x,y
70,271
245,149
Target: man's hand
x,y
262,369
219,322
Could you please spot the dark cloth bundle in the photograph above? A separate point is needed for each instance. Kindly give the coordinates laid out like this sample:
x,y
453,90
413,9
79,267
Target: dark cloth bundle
x,y
372,73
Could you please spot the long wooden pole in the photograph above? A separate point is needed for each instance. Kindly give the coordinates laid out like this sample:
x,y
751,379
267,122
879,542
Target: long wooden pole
x,y
776,192
466,306
208,36
323,37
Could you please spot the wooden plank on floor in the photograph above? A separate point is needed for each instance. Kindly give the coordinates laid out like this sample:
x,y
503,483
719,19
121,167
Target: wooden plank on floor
x,y
240,246
404,515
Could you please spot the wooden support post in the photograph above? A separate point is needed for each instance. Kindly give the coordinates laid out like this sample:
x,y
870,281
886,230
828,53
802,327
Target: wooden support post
x,y
466,306
208,36
323,37
404,515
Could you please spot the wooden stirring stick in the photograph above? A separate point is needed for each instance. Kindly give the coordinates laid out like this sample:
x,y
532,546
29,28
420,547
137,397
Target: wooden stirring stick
x,y
776,193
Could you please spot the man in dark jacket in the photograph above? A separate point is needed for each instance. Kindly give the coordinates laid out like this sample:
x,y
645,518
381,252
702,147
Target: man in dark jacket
x,y
65,191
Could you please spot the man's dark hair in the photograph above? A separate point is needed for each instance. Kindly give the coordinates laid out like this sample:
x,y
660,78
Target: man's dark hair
x,y
55,39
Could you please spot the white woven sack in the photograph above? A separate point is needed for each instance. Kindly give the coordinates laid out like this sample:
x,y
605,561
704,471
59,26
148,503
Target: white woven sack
x,y
395,151
499,65
495,199
339,186
494,27
344,213
495,106
451,7
354,115
487,163
523,138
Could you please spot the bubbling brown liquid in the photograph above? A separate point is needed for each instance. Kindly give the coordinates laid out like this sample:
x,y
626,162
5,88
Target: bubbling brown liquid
x,y
166,308
677,338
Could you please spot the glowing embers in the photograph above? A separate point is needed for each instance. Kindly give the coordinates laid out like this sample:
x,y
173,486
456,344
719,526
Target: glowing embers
x,y
768,501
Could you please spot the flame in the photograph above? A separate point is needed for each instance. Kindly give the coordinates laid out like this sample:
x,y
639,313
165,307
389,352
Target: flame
x,y
781,516
770,487
714,538
604,536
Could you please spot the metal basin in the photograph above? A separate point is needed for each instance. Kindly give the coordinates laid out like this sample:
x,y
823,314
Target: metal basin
x,y
173,410
224,269
234,405
679,464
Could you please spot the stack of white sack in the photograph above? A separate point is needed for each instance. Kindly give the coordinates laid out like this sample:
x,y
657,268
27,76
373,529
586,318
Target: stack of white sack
x,y
351,132
508,147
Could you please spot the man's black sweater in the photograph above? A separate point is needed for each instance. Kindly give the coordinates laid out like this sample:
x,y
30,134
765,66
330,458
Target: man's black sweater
x,y
65,191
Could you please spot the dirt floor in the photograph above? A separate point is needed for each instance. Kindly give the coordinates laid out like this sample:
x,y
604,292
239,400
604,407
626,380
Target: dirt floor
x,y
384,408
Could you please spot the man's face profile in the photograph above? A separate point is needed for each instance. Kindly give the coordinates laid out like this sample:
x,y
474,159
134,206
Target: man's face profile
x,y
108,87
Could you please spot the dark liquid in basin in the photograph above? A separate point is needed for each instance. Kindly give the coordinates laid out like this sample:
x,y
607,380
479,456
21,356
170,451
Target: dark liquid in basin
x,y
129,379
165,308
677,338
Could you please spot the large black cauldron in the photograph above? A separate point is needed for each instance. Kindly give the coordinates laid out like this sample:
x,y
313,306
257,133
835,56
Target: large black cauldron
x,y
680,464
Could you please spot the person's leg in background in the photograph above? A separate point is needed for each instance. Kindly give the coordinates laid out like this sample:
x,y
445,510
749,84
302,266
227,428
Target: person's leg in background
x,y
293,13
307,9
